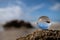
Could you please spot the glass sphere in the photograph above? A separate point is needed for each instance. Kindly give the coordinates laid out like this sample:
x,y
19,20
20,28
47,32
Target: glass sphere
x,y
43,22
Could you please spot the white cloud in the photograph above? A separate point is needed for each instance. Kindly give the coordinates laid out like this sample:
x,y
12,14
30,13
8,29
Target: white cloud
x,y
34,8
9,13
31,8
55,7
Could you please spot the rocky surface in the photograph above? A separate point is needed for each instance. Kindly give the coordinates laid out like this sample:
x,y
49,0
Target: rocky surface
x,y
55,26
42,35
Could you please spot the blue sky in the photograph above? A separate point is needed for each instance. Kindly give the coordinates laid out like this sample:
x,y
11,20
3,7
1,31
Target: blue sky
x,y
29,10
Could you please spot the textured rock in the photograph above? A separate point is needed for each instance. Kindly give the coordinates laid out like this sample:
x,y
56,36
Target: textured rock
x,y
42,35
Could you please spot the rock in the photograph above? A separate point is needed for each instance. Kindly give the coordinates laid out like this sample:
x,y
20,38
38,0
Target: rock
x,y
55,26
42,35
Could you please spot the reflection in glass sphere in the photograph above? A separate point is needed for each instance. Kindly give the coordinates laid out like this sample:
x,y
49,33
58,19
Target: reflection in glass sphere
x,y
44,19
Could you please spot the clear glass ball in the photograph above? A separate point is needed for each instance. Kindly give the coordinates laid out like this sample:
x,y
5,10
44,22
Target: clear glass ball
x,y
43,22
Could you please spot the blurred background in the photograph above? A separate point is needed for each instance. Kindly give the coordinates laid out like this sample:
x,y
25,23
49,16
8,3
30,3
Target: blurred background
x,y
29,11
